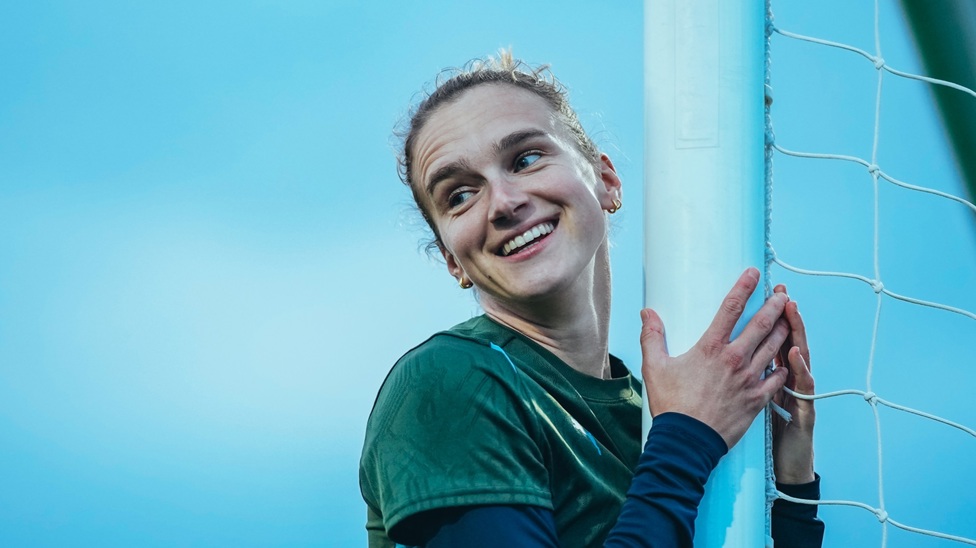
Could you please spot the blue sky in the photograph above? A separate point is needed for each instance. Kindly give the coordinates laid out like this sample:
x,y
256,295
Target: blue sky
x,y
208,263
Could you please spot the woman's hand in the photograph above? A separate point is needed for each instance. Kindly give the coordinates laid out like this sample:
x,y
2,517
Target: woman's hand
x,y
719,381
793,441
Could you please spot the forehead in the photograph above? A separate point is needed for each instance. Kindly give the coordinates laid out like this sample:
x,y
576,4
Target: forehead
x,y
480,117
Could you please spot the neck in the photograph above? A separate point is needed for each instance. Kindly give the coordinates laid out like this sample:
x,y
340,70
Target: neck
x,y
573,324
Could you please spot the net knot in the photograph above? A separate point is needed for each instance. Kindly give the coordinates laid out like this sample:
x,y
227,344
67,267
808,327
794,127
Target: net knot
x,y
881,515
879,62
871,398
877,286
873,169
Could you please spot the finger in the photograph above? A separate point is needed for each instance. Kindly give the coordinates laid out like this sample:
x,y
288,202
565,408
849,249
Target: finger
x,y
803,379
761,326
773,384
771,346
798,330
781,358
732,307
653,340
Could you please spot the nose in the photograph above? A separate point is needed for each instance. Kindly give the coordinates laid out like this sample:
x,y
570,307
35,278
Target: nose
x,y
507,201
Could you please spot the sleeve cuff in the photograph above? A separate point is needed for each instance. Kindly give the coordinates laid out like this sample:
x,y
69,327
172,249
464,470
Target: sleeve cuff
x,y
795,524
693,431
809,491
796,510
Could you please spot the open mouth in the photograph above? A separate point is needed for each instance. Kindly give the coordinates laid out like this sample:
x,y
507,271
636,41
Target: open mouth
x,y
527,238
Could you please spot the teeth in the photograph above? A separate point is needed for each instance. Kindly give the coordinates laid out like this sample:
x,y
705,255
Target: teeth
x,y
527,237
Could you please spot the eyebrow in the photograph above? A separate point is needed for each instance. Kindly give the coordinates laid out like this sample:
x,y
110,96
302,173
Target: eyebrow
x,y
446,172
513,140
507,142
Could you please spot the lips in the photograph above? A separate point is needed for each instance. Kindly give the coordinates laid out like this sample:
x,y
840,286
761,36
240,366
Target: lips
x,y
526,238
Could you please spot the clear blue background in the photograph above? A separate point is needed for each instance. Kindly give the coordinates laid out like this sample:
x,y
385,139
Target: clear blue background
x,y
207,263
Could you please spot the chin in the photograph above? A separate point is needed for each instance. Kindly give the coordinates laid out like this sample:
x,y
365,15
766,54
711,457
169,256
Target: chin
x,y
541,290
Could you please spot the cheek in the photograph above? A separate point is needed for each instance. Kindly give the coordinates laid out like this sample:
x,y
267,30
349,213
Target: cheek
x,y
460,236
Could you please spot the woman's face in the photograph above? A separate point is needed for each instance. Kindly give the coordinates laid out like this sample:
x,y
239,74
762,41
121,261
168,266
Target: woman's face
x,y
518,208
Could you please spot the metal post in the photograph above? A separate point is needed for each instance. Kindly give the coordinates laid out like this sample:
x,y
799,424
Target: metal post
x,y
705,206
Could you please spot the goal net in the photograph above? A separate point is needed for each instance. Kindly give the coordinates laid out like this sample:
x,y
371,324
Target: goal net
x,y
860,211
869,219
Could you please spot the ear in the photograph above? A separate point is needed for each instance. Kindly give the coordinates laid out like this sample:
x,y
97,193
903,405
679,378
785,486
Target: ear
x,y
452,265
610,187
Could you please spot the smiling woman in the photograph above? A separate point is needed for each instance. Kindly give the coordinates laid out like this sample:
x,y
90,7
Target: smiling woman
x,y
518,427
497,167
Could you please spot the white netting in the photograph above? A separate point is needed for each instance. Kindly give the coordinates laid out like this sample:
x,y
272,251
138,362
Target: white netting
x,y
874,172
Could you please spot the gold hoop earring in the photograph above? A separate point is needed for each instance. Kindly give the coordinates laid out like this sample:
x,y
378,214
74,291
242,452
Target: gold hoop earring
x,y
465,283
617,204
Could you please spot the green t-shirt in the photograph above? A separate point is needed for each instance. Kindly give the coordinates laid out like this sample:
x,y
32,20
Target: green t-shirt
x,y
480,414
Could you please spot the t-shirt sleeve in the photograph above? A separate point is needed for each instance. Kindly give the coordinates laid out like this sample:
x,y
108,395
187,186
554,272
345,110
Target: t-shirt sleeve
x,y
450,427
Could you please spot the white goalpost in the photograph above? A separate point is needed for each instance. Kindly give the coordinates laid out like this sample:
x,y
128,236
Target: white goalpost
x,y
704,208
708,180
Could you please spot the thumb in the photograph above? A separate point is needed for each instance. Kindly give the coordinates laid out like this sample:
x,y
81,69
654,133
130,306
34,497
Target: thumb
x,y
654,344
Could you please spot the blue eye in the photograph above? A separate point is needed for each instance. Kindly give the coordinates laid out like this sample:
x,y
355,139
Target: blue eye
x,y
526,160
458,197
